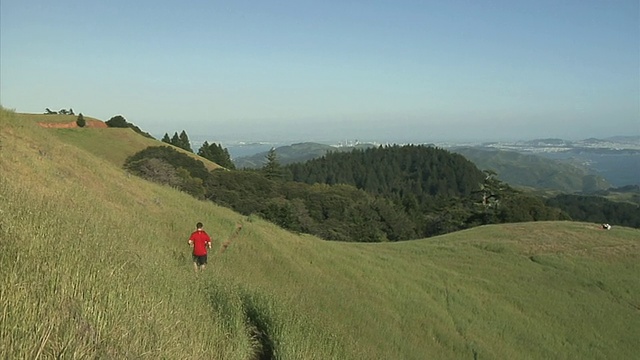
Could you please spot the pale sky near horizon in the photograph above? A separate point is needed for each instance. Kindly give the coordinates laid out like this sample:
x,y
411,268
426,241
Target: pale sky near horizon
x,y
316,70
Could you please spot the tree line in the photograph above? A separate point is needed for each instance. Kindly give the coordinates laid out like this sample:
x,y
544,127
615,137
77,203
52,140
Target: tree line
x,y
342,211
597,209
213,152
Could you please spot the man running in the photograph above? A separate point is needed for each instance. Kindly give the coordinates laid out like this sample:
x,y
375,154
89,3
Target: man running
x,y
199,241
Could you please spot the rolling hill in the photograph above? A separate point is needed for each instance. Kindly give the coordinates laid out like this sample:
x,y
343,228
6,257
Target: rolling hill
x,y
112,144
95,265
293,153
516,169
532,171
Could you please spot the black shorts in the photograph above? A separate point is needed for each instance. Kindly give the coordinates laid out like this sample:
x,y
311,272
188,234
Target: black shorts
x,y
200,260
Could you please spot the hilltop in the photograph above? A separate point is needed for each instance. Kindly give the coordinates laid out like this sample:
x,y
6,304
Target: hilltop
x,y
95,265
112,144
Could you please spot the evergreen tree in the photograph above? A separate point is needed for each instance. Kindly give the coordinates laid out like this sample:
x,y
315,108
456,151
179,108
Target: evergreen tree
x,y
222,157
491,189
80,121
217,154
272,169
175,140
205,152
166,139
228,163
184,141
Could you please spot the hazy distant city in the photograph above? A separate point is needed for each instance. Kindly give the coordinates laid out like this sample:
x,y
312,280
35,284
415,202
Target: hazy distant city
x,y
616,158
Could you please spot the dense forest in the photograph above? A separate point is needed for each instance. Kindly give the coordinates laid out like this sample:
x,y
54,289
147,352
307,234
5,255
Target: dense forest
x,y
379,194
413,175
440,191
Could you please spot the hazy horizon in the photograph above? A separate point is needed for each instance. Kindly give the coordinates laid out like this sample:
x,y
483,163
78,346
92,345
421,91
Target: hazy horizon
x,y
329,133
299,70
198,139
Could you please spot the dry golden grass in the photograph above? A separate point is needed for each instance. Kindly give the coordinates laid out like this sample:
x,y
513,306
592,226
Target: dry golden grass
x,y
51,118
113,144
95,265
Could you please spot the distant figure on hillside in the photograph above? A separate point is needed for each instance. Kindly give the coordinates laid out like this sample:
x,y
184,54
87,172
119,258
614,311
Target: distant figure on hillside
x,y
199,241
606,226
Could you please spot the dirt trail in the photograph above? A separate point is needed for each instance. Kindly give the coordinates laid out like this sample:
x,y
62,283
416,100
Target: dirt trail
x,y
233,235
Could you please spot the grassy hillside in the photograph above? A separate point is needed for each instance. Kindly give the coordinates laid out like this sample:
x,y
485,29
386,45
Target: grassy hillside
x,y
53,118
112,144
95,265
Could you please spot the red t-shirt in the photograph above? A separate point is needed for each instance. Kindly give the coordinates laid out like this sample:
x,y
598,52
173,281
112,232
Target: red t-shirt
x,y
200,241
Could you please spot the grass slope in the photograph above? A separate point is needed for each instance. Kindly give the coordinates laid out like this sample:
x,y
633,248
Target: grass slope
x,y
52,118
112,144
95,265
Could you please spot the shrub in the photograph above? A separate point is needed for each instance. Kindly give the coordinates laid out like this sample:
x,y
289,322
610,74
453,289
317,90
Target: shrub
x,y
81,122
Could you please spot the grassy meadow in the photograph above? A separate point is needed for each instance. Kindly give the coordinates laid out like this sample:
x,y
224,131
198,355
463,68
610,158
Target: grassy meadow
x,y
95,264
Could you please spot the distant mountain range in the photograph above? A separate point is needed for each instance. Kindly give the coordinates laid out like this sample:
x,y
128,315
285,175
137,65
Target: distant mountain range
x,y
546,164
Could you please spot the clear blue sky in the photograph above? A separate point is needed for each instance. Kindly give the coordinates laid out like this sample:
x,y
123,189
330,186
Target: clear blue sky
x,y
311,70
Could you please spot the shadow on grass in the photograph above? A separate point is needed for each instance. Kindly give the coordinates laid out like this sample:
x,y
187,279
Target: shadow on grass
x,y
259,326
244,314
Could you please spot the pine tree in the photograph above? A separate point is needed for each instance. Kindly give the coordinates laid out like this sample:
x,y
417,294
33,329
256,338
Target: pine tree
x,y
184,141
228,163
272,169
205,152
166,139
175,140
217,154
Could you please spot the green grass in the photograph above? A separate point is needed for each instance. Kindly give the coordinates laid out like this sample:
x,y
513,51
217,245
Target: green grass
x,y
95,265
